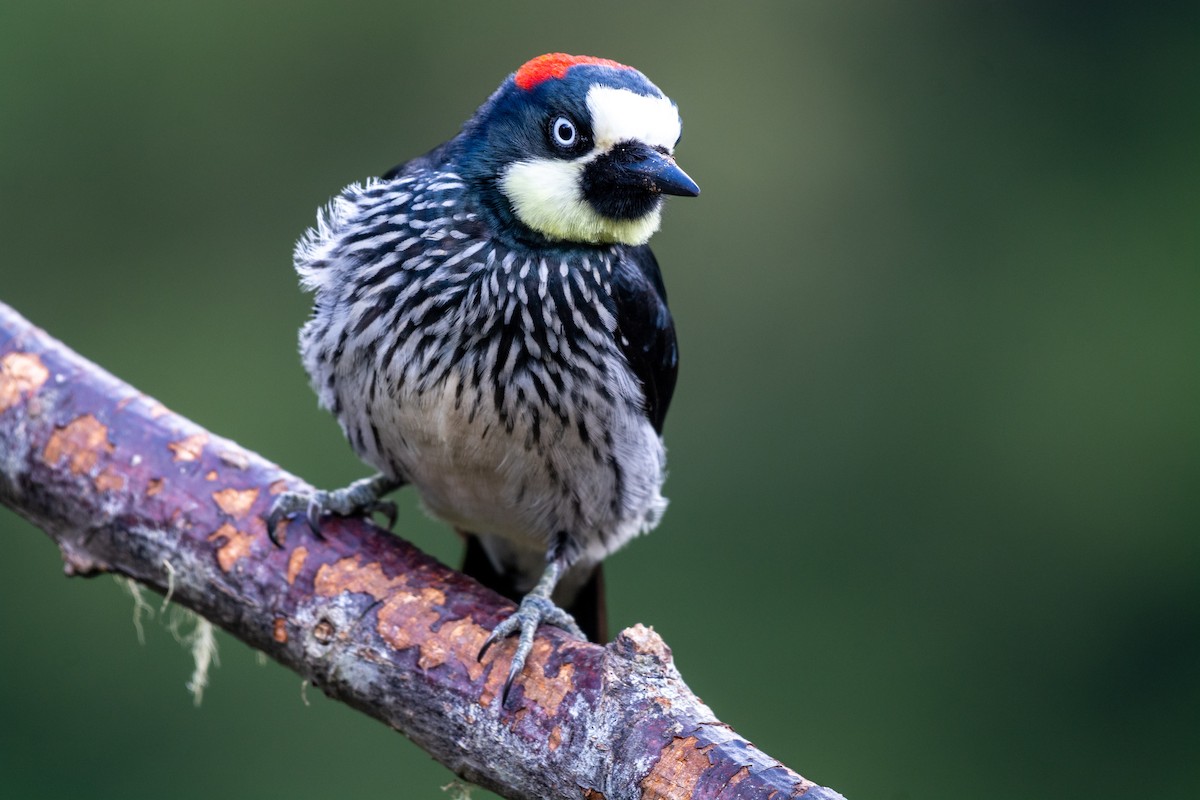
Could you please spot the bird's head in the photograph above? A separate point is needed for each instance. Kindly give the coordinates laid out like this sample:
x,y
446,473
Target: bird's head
x,y
577,149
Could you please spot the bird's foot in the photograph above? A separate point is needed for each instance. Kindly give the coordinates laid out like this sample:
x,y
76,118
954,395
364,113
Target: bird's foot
x,y
534,610
361,497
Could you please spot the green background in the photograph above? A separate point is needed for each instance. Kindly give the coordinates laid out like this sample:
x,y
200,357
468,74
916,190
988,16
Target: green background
x,y
935,450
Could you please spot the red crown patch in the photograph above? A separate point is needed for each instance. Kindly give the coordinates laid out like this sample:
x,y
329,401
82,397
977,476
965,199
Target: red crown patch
x,y
555,65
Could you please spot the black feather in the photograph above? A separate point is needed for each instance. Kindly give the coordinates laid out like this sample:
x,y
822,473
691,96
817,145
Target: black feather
x,y
645,330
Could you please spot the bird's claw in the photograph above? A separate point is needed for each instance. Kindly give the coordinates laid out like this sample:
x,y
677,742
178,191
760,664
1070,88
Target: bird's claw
x,y
385,507
312,513
343,502
285,505
533,611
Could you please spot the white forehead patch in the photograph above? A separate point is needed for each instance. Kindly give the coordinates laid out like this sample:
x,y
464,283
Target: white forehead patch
x,y
619,115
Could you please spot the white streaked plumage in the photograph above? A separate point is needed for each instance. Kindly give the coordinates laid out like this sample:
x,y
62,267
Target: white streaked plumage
x,y
424,420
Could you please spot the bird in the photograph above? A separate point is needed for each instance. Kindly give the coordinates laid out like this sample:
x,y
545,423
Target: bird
x,y
490,327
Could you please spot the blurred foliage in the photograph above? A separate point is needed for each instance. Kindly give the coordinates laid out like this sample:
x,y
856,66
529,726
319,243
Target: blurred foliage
x,y
936,444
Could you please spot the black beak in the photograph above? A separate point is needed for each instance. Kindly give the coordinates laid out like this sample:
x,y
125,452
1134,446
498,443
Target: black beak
x,y
630,179
659,171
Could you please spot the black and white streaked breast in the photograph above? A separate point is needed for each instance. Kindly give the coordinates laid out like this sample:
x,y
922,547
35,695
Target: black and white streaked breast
x,y
492,377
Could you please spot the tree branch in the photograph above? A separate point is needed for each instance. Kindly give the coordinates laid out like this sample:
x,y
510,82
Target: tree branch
x,y
123,485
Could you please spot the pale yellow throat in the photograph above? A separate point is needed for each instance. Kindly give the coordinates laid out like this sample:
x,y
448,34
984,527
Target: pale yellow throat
x,y
546,195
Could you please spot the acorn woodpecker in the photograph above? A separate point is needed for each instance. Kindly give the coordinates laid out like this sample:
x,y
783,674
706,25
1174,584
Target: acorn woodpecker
x,y
490,326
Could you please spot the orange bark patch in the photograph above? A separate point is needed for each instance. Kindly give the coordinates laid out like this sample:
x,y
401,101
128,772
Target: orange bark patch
x,y
235,502
82,441
189,449
109,480
406,617
457,641
592,794
677,771
154,486
157,409
405,620
496,676
296,563
464,636
350,575
738,777
555,738
280,630
546,692
644,641
20,374
211,476
278,487
237,545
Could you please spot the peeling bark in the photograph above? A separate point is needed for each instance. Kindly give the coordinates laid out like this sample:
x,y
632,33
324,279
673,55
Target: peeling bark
x,y
123,485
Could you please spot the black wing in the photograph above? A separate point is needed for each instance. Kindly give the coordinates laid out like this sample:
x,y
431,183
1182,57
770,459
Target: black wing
x,y
645,330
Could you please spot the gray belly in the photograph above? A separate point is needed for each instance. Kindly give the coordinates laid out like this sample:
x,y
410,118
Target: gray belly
x,y
528,477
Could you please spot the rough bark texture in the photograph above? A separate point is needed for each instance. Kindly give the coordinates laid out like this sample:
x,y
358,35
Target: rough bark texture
x,y
123,485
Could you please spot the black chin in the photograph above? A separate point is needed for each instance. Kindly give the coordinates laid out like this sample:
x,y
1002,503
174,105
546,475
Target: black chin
x,y
622,205
617,187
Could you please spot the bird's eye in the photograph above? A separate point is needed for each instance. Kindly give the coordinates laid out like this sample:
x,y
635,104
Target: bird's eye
x,y
563,132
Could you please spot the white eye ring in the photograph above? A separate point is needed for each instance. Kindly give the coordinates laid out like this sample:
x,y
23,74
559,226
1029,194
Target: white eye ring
x,y
563,132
